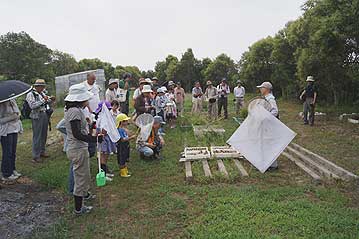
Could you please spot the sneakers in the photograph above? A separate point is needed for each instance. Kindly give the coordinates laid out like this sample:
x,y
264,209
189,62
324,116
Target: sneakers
x,y
108,179
110,175
84,210
89,196
36,160
16,173
124,173
10,178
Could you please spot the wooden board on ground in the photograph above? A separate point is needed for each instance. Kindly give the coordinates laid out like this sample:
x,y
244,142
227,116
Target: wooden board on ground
x,y
240,167
188,168
206,169
222,168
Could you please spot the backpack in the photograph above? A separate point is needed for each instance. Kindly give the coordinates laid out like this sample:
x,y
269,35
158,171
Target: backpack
x,y
26,110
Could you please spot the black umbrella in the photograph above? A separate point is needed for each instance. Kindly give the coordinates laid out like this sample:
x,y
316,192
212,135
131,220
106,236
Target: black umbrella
x,y
11,89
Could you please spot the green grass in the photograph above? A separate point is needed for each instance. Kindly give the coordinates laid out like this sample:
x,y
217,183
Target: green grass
x,y
157,202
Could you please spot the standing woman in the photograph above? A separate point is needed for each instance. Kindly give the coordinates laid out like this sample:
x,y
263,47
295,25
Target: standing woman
x,y
10,126
78,138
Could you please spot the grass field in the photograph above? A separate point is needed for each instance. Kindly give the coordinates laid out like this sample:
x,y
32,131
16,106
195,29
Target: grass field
x,y
156,202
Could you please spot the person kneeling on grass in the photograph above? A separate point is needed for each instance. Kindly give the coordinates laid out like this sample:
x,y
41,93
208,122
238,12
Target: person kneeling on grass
x,y
123,145
151,147
77,139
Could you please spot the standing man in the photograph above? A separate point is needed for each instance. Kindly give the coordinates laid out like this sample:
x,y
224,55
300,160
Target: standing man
x,y
39,103
266,92
123,88
197,94
239,93
223,92
179,98
309,95
211,96
91,85
10,127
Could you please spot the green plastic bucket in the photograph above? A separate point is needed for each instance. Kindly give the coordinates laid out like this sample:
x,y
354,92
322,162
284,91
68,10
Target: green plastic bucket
x,y
101,178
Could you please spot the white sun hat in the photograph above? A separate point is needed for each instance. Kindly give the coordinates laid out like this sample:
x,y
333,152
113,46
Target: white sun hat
x,y
160,90
146,89
78,93
111,81
310,79
148,80
265,84
164,88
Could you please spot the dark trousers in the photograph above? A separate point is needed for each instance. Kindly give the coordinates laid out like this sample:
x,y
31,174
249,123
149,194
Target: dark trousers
x,y
8,145
309,108
124,107
223,102
123,153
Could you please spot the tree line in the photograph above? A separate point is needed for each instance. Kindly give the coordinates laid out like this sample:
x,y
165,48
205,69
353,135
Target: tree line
x,y
22,58
323,42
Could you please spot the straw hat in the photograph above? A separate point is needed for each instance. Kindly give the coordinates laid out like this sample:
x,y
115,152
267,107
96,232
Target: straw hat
x,y
147,89
40,82
266,85
78,93
310,79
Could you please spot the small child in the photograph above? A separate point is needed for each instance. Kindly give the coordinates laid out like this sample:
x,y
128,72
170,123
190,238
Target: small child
x,y
160,102
123,145
116,110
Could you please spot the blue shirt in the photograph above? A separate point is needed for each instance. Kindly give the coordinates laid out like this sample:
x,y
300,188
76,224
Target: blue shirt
x,y
123,133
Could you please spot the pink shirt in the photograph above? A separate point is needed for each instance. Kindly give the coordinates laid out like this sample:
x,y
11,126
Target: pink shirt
x,y
179,95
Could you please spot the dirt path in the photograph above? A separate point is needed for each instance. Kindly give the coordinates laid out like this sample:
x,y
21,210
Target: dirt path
x,y
26,209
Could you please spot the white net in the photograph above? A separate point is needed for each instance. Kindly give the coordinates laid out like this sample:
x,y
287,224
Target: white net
x,y
144,122
259,101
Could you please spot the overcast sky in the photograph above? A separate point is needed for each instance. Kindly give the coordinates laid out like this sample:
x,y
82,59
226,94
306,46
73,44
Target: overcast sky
x,y
142,32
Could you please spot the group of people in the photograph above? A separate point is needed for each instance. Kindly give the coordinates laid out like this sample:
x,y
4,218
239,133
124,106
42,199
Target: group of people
x,y
83,138
217,98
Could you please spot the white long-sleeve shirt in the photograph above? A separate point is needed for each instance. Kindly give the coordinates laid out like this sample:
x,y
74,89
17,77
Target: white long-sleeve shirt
x,y
274,108
239,92
223,90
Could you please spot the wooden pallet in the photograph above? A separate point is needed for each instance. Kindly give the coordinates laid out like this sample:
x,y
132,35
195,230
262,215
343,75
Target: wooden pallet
x,y
195,153
207,171
222,152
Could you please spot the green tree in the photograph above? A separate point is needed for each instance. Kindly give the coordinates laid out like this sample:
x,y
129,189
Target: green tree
x,y
22,58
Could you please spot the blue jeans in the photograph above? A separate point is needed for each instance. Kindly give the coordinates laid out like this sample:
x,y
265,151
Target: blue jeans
x,y
147,151
8,145
71,179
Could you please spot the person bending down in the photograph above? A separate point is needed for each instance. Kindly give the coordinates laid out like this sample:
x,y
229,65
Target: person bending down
x,y
151,147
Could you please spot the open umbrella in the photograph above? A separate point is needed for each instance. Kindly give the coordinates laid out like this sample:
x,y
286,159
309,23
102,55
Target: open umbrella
x,y
11,89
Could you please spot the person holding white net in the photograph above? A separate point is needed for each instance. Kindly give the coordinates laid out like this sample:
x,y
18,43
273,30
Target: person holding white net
x,y
149,141
271,105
